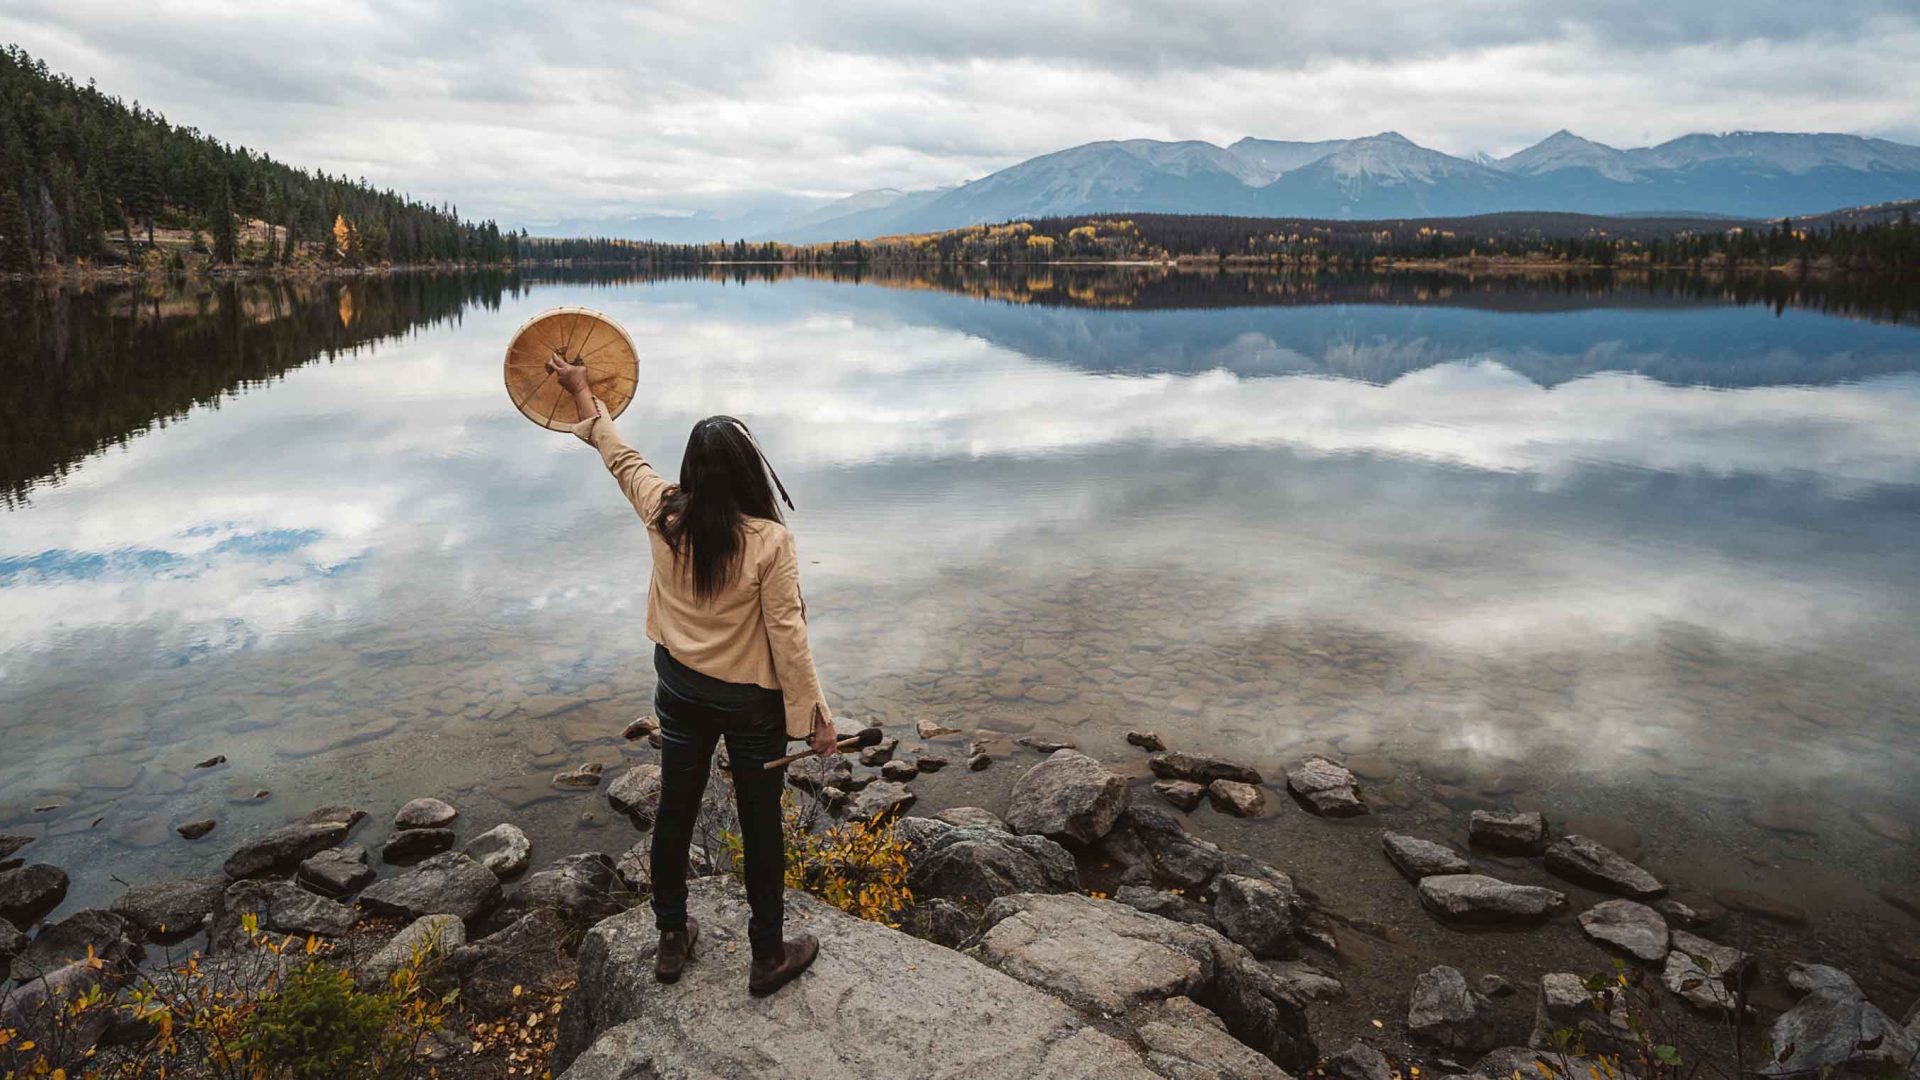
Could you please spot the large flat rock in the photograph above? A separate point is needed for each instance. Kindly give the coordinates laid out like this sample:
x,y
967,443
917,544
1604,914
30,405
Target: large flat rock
x,y
876,1004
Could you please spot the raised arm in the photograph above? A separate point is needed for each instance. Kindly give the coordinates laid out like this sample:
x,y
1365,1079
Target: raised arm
x,y
786,617
642,486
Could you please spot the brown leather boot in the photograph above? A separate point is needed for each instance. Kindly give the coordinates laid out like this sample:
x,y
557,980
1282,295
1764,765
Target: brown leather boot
x,y
771,974
676,948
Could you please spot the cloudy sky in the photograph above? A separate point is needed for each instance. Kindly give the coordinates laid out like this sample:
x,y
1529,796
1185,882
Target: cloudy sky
x,y
537,112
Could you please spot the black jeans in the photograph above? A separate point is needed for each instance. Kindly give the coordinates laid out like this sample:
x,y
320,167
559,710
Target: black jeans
x,y
695,710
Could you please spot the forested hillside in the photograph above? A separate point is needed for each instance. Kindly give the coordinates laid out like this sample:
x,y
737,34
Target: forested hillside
x,y
86,176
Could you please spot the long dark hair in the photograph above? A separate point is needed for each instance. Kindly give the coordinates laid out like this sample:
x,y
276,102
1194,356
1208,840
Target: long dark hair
x,y
723,482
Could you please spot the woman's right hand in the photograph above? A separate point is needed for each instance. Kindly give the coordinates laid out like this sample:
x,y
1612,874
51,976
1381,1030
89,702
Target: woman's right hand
x,y
572,377
824,741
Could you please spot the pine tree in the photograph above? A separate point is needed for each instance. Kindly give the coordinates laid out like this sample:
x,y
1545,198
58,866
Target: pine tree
x,y
16,237
223,229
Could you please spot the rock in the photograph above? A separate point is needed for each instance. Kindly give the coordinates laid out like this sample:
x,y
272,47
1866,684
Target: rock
x,y
1184,794
919,832
27,893
636,793
1519,833
1149,741
583,776
940,921
1444,1011
579,889
1478,899
814,773
1325,788
1304,984
1360,1062
1565,1004
425,814
1493,985
1505,1062
529,953
634,867
171,908
12,842
1590,863
1835,1027
1632,927
446,884
411,845
979,763
1689,911
1757,903
1255,914
1110,959
1200,768
1240,800
1069,797
503,849
977,864
11,942
336,872
280,907
1698,971
929,763
69,941
1186,1042
194,830
1155,841
208,763
884,799
1416,858
837,1021
971,815
284,848
1167,905
1046,744
900,771
927,729
432,937
27,1009
639,728
879,753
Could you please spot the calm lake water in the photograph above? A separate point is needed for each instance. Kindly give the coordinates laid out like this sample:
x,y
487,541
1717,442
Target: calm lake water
x,y
1632,553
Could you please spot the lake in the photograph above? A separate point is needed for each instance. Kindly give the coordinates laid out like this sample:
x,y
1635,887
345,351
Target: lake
x,y
1640,554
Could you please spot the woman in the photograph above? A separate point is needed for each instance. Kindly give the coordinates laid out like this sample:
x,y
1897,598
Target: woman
x,y
730,649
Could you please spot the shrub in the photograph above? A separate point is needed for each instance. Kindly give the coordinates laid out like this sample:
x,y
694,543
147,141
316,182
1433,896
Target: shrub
x,y
319,1027
859,867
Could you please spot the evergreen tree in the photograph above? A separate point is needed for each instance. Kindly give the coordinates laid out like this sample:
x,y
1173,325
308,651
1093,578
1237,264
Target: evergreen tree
x,y
224,234
16,235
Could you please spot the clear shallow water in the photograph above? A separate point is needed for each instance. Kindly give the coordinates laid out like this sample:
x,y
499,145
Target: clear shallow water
x,y
1618,552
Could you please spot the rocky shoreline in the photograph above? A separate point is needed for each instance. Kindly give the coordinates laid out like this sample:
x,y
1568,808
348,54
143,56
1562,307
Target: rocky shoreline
x,y
1085,931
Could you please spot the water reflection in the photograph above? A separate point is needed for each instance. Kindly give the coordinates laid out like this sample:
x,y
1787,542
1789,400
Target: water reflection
x,y
1650,559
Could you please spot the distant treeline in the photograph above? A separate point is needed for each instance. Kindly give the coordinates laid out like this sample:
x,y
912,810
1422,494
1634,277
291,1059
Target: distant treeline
x,y
80,170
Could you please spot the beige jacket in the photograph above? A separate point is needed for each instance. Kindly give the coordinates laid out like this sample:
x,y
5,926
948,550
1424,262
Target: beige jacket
x,y
755,631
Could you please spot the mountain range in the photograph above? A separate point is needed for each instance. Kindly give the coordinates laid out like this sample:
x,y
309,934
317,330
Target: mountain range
x,y
1743,174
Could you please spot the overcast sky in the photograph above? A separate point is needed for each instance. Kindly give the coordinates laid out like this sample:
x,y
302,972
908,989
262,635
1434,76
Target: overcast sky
x,y
534,112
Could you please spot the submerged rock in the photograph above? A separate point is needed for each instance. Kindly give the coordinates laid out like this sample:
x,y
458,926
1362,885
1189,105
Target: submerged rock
x,y
1627,925
1047,744
1326,788
1200,768
1758,903
1476,898
1593,864
1416,858
1184,794
1519,833
837,1021
1445,1011
1069,797
194,830
425,814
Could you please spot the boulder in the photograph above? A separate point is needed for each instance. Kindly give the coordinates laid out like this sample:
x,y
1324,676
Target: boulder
x,y
1325,788
1184,794
1200,768
446,884
942,922
814,773
1632,927
171,908
28,1009
28,892
425,814
1588,862
69,940
924,1018
336,872
503,849
1256,914
1187,1042
1702,973
1167,905
431,936
1565,1004
1069,797
1361,1062
971,815
11,942
529,953
636,793
1109,959
901,771
1240,800
883,799
1154,843
1517,833
1417,858
1834,1027
978,864
1478,899
279,907
579,889
281,850
412,845
1446,1012
879,753
12,842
